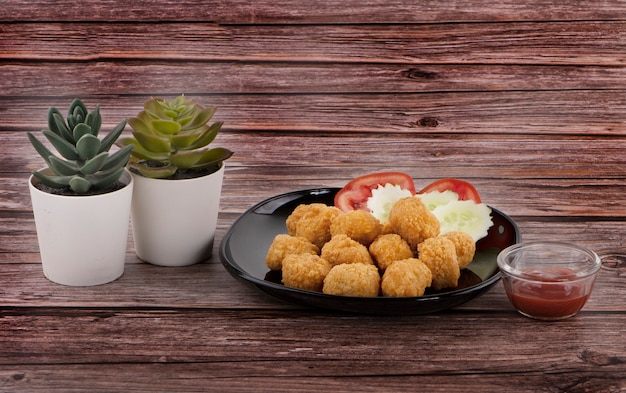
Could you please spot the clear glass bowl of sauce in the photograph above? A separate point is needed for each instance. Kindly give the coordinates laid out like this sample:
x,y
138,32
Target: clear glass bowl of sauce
x,y
548,280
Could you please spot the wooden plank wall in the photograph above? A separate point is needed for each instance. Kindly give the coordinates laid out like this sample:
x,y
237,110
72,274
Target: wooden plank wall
x,y
504,89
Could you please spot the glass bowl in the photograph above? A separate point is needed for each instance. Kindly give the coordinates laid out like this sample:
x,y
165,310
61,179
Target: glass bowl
x,y
548,280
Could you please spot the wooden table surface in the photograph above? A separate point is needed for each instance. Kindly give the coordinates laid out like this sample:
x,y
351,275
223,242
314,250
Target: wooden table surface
x,y
525,99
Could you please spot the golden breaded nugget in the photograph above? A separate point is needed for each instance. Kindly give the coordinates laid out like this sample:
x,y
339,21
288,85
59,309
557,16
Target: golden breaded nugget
x,y
465,247
283,245
305,271
439,254
354,279
389,248
412,220
316,227
300,212
359,225
386,228
341,249
406,277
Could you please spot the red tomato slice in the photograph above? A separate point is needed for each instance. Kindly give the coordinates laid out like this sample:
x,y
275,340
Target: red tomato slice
x,y
465,190
354,195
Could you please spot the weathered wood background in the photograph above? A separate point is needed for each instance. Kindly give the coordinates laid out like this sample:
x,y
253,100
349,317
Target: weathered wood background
x,y
526,99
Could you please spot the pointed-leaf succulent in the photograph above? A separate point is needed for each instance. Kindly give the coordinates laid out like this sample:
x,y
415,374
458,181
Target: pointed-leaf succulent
x,y
169,136
83,161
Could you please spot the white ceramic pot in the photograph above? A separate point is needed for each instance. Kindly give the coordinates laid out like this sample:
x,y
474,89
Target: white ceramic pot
x,y
174,221
82,239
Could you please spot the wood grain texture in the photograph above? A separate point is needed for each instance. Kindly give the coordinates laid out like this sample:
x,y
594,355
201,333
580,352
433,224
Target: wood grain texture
x,y
317,11
563,43
523,98
200,377
579,112
221,78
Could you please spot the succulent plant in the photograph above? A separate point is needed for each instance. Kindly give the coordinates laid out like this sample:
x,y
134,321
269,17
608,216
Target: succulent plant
x,y
169,136
83,160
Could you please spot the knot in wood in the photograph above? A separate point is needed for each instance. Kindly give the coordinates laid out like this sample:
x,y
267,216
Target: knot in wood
x,y
18,376
414,73
427,122
598,359
614,260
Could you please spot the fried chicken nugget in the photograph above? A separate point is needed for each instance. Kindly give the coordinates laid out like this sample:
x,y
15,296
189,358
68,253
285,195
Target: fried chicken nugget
x,y
355,279
439,254
406,277
359,225
389,248
312,222
410,218
300,212
465,247
305,271
386,228
342,249
283,245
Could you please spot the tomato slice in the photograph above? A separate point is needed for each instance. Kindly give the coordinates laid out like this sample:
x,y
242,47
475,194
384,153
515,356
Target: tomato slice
x,y
354,195
465,190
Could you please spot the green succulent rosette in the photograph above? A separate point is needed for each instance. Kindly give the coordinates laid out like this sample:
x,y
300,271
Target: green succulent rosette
x,y
83,161
169,136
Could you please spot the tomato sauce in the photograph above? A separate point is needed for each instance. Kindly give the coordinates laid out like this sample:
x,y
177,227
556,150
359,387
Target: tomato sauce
x,y
550,295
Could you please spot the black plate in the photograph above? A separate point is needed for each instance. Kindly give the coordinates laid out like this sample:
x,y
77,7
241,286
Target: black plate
x,y
245,245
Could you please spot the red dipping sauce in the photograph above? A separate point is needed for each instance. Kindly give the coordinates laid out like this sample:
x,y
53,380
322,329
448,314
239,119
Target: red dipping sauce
x,y
548,293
